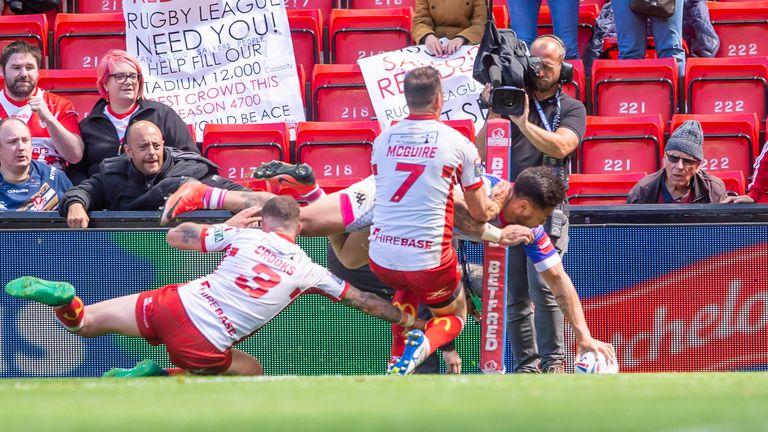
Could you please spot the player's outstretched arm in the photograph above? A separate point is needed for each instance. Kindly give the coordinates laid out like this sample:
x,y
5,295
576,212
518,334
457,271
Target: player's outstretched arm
x,y
186,236
568,301
374,305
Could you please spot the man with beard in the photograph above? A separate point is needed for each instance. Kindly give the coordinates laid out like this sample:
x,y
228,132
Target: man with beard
x,y
547,132
51,119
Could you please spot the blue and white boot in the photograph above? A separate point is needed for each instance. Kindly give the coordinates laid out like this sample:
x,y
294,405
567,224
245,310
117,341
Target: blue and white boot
x,y
416,351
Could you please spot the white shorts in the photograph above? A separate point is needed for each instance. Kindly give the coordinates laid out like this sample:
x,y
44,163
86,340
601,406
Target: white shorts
x,y
357,204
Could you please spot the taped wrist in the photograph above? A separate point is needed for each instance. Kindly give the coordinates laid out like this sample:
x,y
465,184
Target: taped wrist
x,y
491,233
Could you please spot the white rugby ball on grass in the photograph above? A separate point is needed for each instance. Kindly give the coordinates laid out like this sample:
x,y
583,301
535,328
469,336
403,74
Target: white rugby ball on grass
x,y
589,363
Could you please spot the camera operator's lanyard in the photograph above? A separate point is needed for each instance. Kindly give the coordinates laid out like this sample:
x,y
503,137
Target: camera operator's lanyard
x,y
557,165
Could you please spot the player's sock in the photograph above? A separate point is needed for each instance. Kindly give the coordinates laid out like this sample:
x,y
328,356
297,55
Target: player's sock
x,y
173,371
144,368
71,315
407,302
443,329
313,195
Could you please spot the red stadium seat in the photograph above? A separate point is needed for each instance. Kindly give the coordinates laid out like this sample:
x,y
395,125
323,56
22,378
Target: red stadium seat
x,y
98,6
29,28
576,87
735,183
81,39
239,149
501,15
730,140
634,87
724,86
741,26
307,36
465,126
339,152
339,94
587,18
621,144
77,85
357,33
601,189
378,4
324,6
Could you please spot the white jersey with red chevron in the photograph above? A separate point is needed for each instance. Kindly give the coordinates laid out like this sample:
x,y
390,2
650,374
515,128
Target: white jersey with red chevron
x,y
42,144
259,276
416,164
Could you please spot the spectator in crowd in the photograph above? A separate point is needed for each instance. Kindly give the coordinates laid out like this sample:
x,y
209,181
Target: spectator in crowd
x,y
26,184
460,21
565,20
758,189
140,179
547,132
681,180
667,33
122,103
51,119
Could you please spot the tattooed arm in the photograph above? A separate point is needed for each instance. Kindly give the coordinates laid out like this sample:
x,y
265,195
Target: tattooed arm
x,y
374,305
186,236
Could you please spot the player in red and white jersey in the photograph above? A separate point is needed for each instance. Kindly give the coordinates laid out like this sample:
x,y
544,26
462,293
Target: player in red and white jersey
x,y
51,119
416,164
199,321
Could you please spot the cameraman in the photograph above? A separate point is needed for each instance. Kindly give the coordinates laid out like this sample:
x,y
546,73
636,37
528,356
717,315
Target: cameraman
x,y
547,132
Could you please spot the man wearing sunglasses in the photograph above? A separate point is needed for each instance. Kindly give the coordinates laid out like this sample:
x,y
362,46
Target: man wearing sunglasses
x,y
681,181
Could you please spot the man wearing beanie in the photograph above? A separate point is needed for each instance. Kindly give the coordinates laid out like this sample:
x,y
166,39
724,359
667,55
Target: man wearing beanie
x,y
680,181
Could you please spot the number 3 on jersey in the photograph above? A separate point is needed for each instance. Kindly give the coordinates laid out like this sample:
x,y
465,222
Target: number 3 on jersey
x,y
414,170
264,280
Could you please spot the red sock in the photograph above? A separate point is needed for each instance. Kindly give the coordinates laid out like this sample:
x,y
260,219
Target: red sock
x,y
443,329
71,316
315,194
173,371
407,302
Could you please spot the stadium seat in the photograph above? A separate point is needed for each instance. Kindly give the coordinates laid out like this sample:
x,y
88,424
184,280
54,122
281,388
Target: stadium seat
x,y
730,140
339,94
601,189
339,152
621,144
324,6
500,15
239,149
587,17
735,183
727,85
378,4
77,85
576,87
81,39
358,33
741,26
98,6
634,87
29,28
307,36
465,126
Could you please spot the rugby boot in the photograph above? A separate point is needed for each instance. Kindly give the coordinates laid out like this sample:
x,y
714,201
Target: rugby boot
x,y
416,351
188,197
41,291
144,368
287,179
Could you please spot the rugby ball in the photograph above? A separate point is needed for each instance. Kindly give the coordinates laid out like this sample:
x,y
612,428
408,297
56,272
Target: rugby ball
x,y
589,363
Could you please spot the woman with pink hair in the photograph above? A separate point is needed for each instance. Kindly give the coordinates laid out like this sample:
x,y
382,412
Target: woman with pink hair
x,y
121,86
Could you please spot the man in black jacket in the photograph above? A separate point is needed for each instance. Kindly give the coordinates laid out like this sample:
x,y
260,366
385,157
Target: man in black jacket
x,y
140,179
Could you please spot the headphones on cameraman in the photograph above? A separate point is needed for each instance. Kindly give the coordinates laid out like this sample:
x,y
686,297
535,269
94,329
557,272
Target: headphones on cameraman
x,y
566,69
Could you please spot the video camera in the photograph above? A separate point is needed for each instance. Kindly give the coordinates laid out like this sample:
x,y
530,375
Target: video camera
x,y
505,62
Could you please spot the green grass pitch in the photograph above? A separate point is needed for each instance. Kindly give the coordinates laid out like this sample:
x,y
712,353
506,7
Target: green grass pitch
x,y
624,402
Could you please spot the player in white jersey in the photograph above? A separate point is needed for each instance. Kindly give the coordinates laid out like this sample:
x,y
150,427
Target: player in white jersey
x,y
416,165
51,119
262,272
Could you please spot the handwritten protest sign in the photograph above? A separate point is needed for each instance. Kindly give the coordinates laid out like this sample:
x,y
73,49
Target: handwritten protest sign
x,y
384,74
216,61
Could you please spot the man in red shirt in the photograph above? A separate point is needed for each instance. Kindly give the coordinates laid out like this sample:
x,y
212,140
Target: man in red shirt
x,y
51,119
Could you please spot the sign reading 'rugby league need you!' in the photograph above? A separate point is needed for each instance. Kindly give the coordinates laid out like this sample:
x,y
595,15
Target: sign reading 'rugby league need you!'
x,y
217,61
